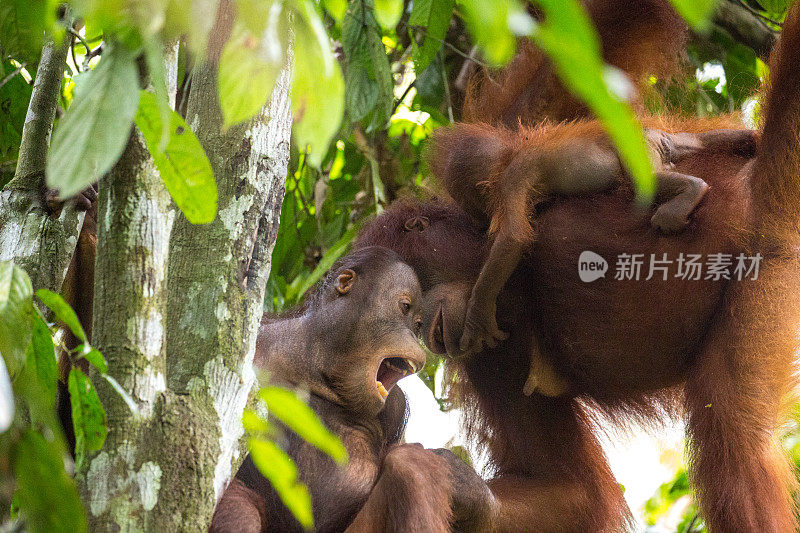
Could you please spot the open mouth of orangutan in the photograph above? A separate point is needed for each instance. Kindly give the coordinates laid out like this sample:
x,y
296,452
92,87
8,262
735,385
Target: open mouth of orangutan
x,y
392,370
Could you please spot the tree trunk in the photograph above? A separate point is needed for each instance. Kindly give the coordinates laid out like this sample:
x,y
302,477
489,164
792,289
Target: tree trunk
x,y
39,243
177,310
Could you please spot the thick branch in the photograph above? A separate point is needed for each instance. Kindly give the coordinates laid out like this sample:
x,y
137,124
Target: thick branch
x,y
41,112
40,244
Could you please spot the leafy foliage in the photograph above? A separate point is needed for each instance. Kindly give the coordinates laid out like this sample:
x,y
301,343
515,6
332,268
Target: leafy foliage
x,y
281,472
16,313
88,415
46,496
284,405
31,435
91,136
180,160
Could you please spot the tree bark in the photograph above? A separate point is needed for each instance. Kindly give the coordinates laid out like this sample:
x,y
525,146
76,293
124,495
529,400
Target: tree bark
x,y
39,243
177,309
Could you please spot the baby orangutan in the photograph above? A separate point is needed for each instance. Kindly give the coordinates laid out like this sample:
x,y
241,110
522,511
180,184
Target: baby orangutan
x,y
349,344
498,177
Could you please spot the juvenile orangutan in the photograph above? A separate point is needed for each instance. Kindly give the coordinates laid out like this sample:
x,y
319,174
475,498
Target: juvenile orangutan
x,y
348,346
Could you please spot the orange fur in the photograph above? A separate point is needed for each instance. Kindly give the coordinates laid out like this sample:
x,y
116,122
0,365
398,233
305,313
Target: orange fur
x,y
721,353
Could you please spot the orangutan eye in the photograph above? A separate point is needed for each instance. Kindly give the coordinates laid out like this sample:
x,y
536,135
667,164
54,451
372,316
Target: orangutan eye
x,y
405,306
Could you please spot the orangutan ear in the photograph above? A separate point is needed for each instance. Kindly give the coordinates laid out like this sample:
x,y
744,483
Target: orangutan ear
x,y
345,281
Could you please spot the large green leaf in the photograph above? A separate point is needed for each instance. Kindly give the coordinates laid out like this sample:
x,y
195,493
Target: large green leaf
x,y
23,24
249,67
14,97
284,405
490,25
16,311
92,135
317,86
42,358
47,497
281,472
156,68
568,37
63,312
388,12
88,415
336,8
696,12
369,83
183,164
429,21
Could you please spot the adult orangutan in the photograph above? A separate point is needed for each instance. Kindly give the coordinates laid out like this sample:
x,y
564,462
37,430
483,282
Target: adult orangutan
x,y
721,351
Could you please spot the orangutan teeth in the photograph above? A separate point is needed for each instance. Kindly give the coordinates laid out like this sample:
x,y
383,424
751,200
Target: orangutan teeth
x,y
382,390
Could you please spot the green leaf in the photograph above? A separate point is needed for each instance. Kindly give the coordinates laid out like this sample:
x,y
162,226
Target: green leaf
x,y
336,8
490,24
370,87
92,135
284,405
253,423
775,6
569,39
252,14
88,415
63,312
94,357
249,68
317,86
23,25
696,12
42,357
388,13
362,91
47,497
430,20
183,164
281,472
15,315
14,97
154,55
202,15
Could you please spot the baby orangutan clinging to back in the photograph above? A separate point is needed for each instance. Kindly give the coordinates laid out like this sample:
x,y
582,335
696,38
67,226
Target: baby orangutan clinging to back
x,y
498,176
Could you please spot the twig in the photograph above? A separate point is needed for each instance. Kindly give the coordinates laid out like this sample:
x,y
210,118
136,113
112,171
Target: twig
x,y
81,39
403,97
13,73
451,46
72,52
447,96
92,54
